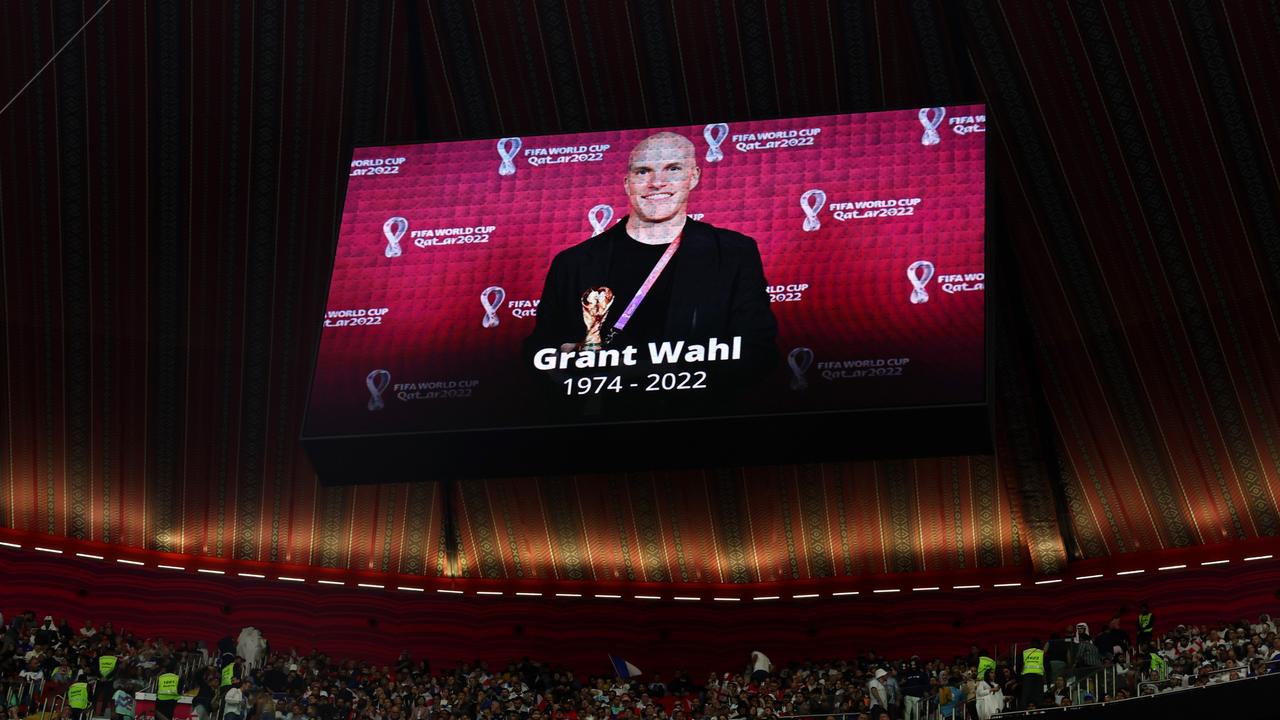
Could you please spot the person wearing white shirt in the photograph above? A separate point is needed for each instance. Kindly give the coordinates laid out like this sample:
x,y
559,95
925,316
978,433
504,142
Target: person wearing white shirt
x,y
877,693
233,703
760,667
990,696
32,672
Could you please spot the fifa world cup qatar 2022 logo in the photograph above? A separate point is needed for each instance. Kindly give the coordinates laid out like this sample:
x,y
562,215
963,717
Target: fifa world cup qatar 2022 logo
x,y
919,273
714,134
811,201
931,119
600,216
799,360
508,148
394,229
377,383
491,299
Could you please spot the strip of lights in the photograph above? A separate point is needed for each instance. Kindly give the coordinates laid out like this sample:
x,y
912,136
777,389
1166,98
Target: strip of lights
x,y
683,598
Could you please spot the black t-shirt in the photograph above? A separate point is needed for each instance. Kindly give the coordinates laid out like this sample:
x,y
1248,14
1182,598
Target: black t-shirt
x,y
204,696
274,679
630,264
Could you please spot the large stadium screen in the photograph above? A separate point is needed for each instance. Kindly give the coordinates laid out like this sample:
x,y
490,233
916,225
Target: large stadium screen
x,y
524,304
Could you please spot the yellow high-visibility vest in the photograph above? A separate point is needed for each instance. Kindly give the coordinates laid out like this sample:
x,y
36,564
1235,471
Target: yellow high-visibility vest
x,y
1160,665
106,665
1033,661
78,695
167,687
228,674
984,664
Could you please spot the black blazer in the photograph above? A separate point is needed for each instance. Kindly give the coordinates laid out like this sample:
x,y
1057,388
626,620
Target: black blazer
x,y
719,291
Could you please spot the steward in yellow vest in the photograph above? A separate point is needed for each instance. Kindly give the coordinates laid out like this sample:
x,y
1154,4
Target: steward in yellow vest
x,y
167,687
1033,661
1146,625
1033,675
1160,665
166,696
78,696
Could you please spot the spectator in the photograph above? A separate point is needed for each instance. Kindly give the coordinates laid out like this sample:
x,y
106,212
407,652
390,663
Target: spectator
x,y
1060,690
235,701
33,672
657,688
202,702
1009,686
1113,640
313,687
970,689
760,667
915,687
990,697
951,698
877,694
122,703
47,633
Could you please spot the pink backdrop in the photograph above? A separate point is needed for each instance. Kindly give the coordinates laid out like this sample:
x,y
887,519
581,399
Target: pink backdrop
x,y
841,289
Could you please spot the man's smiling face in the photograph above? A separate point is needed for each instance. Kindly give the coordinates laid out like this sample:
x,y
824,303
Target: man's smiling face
x,y
660,173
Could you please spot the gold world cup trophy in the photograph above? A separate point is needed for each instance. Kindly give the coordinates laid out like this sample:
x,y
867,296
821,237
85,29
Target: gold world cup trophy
x,y
595,305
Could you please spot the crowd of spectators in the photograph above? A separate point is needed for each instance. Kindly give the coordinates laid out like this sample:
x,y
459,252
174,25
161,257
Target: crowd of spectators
x,y
43,657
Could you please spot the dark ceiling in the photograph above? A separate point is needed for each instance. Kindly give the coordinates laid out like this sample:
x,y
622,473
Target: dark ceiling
x,y
168,195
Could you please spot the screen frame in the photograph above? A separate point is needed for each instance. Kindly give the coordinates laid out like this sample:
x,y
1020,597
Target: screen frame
x,y
628,445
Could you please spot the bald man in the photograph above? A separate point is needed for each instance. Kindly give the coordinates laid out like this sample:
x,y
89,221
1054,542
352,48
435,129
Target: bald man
x,y
710,285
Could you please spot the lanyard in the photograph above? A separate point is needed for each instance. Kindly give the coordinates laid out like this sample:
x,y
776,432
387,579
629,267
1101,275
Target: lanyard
x,y
646,286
